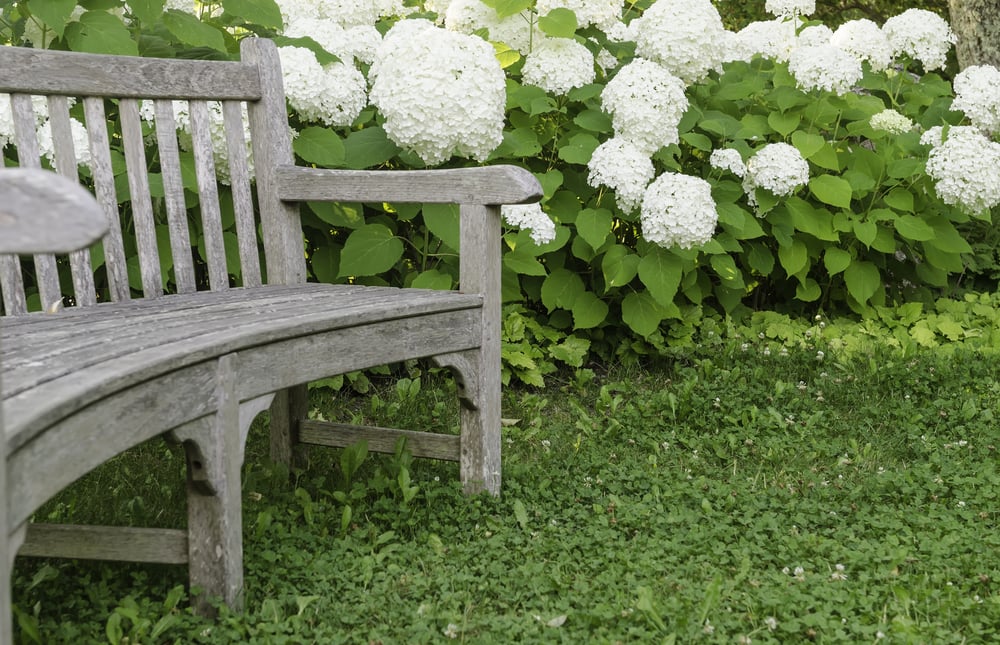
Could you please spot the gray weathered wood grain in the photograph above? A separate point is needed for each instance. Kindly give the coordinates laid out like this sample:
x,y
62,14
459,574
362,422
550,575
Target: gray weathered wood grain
x,y
173,196
122,543
140,199
41,211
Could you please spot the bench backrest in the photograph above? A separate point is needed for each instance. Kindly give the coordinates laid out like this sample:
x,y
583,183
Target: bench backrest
x,y
158,159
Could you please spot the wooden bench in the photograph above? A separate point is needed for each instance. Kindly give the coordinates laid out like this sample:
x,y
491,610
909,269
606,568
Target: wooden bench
x,y
88,382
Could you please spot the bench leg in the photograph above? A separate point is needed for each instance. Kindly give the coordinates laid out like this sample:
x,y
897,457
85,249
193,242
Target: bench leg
x,y
479,392
287,408
214,496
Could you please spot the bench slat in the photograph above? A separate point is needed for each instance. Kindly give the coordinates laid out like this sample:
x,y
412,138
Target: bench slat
x,y
89,542
239,174
173,189
140,200
420,444
208,195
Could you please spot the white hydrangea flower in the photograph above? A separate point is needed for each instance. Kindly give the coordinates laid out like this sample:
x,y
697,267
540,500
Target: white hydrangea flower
x,y
964,167
865,41
345,13
934,136
977,94
824,67
685,36
891,121
440,7
783,8
922,35
621,166
187,6
607,61
678,210
815,35
81,141
531,217
646,103
728,159
778,167
619,32
602,13
334,94
441,92
6,121
469,16
558,65
773,39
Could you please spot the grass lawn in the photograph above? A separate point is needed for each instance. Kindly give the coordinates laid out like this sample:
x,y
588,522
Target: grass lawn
x,y
735,493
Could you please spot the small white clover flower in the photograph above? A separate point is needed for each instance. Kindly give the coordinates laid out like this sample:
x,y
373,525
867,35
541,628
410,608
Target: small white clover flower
x,y
451,631
964,167
891,121
469,16
839,573
977,94
621,166
602,13
815,35
646,103
922,35
334,94
772,39
771,622
558,65
865,41
790,7
728,159
685,36
778,167
678,210
441,92
531,217
824,67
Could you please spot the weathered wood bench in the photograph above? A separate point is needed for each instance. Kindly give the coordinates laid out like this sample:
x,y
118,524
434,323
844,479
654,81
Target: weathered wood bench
x,y
88,382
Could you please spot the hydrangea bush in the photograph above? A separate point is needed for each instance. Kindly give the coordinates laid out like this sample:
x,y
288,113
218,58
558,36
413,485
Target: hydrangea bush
x,y
686,166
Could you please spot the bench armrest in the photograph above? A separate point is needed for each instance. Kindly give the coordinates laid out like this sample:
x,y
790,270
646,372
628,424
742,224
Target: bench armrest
x,y
42,212
488,185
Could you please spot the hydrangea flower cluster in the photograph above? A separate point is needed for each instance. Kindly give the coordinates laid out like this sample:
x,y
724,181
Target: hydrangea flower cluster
x,y
345,13
728,159
441,92
824,67
601,13
778,167
621,166
964,167
790,7
922,35
685,36
774,39
531,217
891,121
558,65
678,210
358,42
81,141
866,41
470,16
814,35
334,94
646,103
977,94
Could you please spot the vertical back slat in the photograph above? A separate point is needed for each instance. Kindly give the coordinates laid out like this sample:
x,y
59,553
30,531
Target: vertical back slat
x,y
173,189
12,284
239,174
104,189
208,193
142,204
46,272
62,143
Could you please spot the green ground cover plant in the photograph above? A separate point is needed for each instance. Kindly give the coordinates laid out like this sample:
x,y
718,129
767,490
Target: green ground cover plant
x,y
780,481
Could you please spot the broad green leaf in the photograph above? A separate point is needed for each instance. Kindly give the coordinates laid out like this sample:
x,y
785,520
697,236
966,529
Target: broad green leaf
x,y
322,55
370,250
368,147
524,264
806,143
561,289
793,258
56,13
900,199
642,313
866,231
946,238
913,228
594,120
761,259
443,221
320,146
506,56
697,141
343,214
619,266
147,11
660,271
506,8
589,311
98,32
558,23
579,149
571,351
594,225
809,291
905,168
721,124
519,142
944,260
740,222
725,267
191,31
862,279
836,260
783,124
831,190
826,158
324,263
432,279
817,222
258,12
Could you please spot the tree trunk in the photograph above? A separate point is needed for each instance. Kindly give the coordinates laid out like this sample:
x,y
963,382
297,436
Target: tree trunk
x,y
977,25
